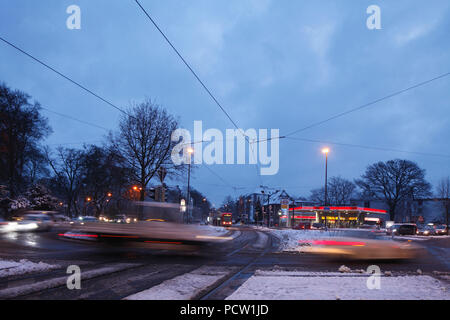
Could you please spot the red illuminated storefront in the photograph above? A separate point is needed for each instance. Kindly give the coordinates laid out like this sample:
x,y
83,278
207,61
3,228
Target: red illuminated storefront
x,y
337,217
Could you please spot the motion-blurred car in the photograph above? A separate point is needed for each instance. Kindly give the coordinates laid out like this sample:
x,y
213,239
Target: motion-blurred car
x,y
7,226
441,230
403,229
362,245
35,222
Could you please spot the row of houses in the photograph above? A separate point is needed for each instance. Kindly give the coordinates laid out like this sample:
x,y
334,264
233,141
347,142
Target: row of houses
x,y
266,208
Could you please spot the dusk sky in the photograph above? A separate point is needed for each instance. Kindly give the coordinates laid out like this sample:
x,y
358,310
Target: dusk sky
x,y
282,64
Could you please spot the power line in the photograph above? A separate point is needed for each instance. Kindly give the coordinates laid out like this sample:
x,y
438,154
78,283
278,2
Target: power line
x,y
74,143
370,147
218,176
63,75
200,81
188,65
369,104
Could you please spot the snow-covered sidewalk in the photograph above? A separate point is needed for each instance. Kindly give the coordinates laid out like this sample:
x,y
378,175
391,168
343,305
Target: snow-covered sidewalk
x,y
184,287
282,285
11,268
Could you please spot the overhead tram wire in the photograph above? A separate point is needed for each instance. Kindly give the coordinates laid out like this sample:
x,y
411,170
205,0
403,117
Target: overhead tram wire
x,y
370,103
105,100
369,147
64,76
216,101
188,66
358,108
74,119
75,143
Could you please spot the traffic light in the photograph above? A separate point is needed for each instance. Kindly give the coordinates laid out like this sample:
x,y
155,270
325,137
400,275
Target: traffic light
x,y
152,193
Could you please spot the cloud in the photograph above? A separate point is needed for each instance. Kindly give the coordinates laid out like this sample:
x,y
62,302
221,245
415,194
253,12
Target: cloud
x,y
405,36
318,40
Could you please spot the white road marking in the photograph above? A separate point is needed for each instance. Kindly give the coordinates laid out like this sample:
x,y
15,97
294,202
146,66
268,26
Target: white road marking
x,y
61,281
184,287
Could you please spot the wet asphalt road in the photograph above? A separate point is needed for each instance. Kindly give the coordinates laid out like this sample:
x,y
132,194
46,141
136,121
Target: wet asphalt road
x,y
151,267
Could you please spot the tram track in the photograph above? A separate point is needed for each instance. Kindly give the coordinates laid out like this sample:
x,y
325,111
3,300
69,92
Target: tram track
x,y
129,273
236,278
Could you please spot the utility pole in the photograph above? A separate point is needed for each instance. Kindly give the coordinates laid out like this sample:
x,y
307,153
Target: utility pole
x,y
268,203
190,152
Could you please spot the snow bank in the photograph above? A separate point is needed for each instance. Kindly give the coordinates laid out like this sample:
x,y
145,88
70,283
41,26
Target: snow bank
x,y
326,286
12,268
184,287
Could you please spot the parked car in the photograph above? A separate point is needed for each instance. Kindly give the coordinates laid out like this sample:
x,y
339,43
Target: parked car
x,y
303,226
426,231
441,229
317,226
83,220
402,229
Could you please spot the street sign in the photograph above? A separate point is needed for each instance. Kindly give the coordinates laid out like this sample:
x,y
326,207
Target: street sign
x,y
285,203
162,172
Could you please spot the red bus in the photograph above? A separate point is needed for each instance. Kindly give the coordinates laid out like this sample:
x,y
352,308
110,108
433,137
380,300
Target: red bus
x,y
226,219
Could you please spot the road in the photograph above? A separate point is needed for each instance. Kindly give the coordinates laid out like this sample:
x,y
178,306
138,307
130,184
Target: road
x,y
111,272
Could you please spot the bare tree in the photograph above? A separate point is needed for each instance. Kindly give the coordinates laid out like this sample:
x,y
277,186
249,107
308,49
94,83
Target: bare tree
x,y
339,192
393,182
144,141
443,193
104,177
68,169
22,127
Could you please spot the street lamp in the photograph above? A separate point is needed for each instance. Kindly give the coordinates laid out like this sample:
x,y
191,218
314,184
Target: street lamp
x,y
190,152
326,151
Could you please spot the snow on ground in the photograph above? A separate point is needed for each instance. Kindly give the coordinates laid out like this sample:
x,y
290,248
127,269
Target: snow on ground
x,y
331,286
12,268
216,231
289,238
183,287
17,291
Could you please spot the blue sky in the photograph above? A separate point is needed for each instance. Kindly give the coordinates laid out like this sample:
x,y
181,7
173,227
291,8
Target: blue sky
x,y
272,64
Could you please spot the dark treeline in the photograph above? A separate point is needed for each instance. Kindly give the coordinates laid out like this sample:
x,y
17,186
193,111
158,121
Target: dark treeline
x,y
92,179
